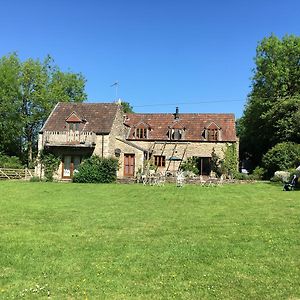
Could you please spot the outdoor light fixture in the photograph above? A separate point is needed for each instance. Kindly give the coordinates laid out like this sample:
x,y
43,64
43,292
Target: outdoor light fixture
x,y
117,152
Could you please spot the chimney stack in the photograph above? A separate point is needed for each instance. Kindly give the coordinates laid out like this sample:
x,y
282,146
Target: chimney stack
x,y
176,115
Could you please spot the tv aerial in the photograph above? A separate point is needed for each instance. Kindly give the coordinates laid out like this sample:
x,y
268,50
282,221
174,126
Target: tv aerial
x,y
116,85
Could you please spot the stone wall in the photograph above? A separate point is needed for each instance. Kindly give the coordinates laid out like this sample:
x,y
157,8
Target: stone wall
x,y
128,149
102,143
182,150
117,130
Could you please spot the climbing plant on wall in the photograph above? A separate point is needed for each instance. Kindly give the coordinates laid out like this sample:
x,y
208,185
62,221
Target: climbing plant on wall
x,y
50,164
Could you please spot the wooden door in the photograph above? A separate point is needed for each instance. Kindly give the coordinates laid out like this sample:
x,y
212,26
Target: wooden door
x,y
70,165
129,160
67,166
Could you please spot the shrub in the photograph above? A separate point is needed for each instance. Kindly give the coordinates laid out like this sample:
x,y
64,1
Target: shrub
x,y
281,157
10,162
97,170
190,165
258,173
281,176
241,176
35,179
230,161
50,164
216,164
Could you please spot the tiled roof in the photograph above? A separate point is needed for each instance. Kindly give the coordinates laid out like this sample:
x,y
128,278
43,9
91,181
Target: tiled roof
x,y
98,117
192,123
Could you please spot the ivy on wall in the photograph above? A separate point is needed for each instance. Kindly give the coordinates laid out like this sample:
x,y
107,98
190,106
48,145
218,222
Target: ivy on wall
x,y
230,161
50,163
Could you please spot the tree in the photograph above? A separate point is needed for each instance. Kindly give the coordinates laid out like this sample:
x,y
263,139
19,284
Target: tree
x,y
272,111
10,118
30,89
127,108
281,157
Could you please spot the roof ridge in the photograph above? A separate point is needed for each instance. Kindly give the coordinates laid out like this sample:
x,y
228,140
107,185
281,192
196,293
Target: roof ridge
x,y
180,114
90,103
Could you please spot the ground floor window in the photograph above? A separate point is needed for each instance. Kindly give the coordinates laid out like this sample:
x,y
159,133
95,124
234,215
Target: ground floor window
x,y
159,160
70,165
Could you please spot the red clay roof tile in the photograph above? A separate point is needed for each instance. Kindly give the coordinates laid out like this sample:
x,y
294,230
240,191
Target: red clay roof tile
x,y
98,117
193,124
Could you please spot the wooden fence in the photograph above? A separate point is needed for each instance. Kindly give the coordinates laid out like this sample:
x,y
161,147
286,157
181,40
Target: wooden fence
x,y
24,174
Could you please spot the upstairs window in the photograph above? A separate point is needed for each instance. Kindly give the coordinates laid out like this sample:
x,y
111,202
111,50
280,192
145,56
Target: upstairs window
x,y
141,133
212,134
159,160
73,122
176,134
73,126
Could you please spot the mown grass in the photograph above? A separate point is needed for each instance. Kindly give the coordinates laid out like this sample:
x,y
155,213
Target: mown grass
x,y
76,241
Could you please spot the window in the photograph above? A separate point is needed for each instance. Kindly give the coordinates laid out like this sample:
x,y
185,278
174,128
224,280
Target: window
x,y
141,133
74,126
212,134
159,160
176,134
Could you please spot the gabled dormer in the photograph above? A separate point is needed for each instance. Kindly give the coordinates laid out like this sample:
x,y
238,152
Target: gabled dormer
x,y
73,122
141,131
176,131
212,132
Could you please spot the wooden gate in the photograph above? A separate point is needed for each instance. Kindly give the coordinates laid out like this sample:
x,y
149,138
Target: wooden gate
x,y
6,173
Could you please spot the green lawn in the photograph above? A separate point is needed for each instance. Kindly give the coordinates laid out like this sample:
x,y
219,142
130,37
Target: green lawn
x,y
75,241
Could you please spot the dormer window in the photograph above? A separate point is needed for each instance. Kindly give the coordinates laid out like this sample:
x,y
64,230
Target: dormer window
x,y
176,130
176,134
212,132
141,133
73,122
73,126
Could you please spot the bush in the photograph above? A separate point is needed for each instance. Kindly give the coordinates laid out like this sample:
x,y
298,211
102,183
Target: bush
x,y
12,162
281,157
281,176
190,165
258,173
216,164
50,164
241,176
35,179
230,161
97,170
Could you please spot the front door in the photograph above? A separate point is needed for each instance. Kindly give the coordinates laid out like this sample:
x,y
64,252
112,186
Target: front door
x,y
70,165
129,164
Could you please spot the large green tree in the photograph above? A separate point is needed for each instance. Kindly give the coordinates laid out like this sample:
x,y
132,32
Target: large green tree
x,y
10,117
28,92
272,113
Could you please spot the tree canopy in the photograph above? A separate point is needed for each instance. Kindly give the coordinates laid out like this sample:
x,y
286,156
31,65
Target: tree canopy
x,y
28,92
127,108
272,113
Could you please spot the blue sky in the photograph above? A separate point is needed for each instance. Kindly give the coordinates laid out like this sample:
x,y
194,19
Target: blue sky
x,y
197,55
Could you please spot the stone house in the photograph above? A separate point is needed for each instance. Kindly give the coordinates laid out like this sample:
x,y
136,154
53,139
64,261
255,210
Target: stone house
x,y
78,130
